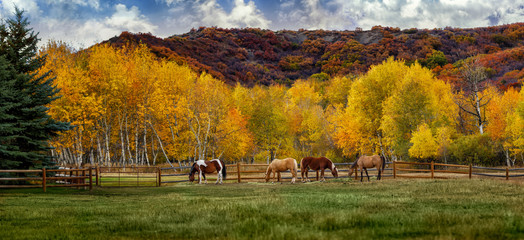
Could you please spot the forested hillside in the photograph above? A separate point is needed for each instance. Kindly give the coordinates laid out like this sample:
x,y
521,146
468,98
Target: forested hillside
x,y
254,56
128,106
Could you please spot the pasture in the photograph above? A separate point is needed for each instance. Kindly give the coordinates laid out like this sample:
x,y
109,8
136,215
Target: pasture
x,y
337,209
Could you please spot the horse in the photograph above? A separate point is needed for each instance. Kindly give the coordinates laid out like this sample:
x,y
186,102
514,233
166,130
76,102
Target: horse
x,y
317,164
203,167
281,165
365,162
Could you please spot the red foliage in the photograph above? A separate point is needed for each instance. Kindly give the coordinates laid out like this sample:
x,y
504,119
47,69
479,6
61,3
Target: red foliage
x,y
269,57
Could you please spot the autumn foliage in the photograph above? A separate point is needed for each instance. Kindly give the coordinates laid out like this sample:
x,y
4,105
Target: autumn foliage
x,y
253,56
253,95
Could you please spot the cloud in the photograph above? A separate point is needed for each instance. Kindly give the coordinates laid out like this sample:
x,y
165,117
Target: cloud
x,y
82,33
342,14
193,14
314,14
7,8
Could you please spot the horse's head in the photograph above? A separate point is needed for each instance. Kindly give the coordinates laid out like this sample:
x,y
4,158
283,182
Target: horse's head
x,y
334,170
268,173
350,172
192,173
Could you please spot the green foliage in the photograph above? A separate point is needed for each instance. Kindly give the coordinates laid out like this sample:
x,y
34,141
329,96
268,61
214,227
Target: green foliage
x,y
437,58
474,149
28,93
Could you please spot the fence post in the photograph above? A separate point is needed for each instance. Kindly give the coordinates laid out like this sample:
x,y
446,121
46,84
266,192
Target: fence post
x,y
90,178
159,176
507,173
97,172
44,179
238,171
432,170
470,170
394,169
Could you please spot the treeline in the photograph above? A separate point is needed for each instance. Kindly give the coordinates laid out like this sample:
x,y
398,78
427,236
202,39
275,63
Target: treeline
x,y
129,107
255,56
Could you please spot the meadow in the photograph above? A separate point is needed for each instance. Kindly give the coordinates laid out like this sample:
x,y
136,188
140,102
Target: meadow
x,y
338,209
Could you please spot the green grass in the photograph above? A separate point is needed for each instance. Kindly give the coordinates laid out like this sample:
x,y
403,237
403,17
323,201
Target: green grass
x,y
390,209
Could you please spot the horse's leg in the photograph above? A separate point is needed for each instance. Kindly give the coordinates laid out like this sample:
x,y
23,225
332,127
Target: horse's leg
x,y
218,177
322,175
307,176
317,176
361,174
279,179
200,177
365,169
294,174
205,179
379,173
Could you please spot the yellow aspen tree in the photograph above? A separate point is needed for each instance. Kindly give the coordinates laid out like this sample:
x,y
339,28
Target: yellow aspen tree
x,y
424,145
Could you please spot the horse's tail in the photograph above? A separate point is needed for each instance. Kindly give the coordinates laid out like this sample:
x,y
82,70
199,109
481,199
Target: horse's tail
x,y
224,172
296,166
383,162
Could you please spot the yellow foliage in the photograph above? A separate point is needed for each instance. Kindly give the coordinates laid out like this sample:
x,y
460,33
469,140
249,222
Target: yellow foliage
x,y
424,144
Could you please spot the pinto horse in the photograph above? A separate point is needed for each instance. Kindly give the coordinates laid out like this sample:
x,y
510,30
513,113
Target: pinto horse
x,y
365,162
317,164
203,167
281,165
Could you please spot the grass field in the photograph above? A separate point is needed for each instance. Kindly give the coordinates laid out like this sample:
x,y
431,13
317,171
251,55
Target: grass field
x,y
413,209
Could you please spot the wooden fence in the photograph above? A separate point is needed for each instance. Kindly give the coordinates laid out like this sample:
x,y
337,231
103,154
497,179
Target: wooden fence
x,y
241,172
134,176
440,170
45,178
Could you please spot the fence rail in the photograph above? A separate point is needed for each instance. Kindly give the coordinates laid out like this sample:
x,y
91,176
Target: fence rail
x,y
399,166
41,178
240,172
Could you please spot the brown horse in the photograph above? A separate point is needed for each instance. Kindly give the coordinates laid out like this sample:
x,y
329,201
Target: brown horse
x,y
317,164
365,162
281,165
203,167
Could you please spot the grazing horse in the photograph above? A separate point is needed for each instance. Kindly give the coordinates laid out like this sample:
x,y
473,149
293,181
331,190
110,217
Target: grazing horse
x,y
281,165
317,164
365,162
203,167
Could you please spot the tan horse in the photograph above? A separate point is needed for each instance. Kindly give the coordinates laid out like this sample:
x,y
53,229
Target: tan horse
x,y
365,162
281,165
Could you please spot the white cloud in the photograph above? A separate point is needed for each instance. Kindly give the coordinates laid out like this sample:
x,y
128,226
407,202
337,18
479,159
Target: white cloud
x,y
193,14
82,33
95,4
242,15
7,8
343,14
313,14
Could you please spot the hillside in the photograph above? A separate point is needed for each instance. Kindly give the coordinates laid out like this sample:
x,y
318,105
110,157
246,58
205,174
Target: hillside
x,y
252,56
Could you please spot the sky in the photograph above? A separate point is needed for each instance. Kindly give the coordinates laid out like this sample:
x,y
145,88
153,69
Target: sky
x,y
82,23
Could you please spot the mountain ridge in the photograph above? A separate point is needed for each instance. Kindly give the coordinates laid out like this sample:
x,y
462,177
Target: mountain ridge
x,y
255,56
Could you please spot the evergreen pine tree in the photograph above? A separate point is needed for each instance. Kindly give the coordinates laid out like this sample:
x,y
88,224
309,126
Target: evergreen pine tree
x,y
26,93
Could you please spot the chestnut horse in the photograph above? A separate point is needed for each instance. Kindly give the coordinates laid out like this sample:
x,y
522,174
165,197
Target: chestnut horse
x,y
365,162
281,165
203,167
317,164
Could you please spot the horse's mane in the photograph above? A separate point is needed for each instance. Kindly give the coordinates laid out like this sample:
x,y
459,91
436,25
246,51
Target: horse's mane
x,y
192,169
355,163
